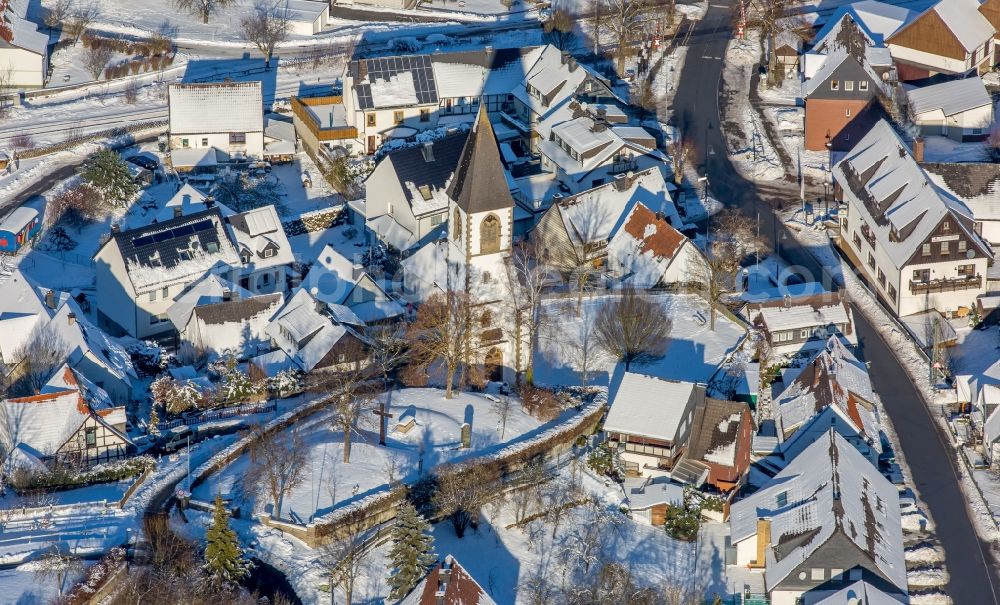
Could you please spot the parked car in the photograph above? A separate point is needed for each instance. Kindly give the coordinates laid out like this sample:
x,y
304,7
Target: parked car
x,y
143,161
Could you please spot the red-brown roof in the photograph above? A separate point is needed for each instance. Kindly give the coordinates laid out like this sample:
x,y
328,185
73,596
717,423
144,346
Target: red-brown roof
x,y
654,232
461,588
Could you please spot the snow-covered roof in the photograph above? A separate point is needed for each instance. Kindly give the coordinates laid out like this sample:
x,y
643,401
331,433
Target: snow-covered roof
x,y
217,107
861,593
963,18
834,377
83,339
794,313
878,21
42,423
22,308
257,233
186,201
647,242
176,249
304,332
429,266
210,288
24,32
896,198
596,214
18,219
391,232
650,406
203,157
977,184
645,492
951,98
830,488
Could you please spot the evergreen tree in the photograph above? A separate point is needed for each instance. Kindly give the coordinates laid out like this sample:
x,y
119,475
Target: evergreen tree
x,y
106,171
411,554
224,558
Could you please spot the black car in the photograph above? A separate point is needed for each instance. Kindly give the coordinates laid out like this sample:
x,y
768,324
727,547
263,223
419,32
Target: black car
x,y
143,161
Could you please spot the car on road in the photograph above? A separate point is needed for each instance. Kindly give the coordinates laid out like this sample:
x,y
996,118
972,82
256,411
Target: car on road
x,y
175,439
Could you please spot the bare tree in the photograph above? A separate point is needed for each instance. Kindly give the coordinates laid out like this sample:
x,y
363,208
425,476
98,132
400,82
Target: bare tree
x,y
731,240
277,465
462,490
597,11
350,394
529,482
645,98
441,333
502,407
81,18
345,558
21,141
558,28
624,22
36,360
203,8
57,12
96,58
526,280
132,91
266,26
632,327
681,151
58,566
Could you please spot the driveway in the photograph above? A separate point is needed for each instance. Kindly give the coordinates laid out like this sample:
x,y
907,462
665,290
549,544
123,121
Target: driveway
x,y
932,461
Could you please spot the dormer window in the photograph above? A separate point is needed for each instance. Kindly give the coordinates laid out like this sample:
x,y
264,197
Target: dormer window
x,y
212,247
245,257
268,252
782,499
425,192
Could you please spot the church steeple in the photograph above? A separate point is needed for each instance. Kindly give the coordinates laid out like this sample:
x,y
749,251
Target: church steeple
x,y
479,183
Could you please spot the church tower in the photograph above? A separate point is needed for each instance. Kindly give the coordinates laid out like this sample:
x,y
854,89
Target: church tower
x,y
480,234
481,209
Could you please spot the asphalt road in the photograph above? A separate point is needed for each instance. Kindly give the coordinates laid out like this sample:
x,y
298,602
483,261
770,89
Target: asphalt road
x,y
973,567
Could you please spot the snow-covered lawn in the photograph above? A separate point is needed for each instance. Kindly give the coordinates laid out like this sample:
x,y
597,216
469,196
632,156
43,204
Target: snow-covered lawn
x,y
308,245
943,149
23,585
693,353
436,439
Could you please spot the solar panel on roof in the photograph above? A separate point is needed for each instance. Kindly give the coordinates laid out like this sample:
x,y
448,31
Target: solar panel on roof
x,y
203,226
163,236
183,230
142,241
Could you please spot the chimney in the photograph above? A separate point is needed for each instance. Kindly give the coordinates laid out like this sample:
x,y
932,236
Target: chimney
x,y
116,228
602,112
918,150
209,201
427,149
572,64
227,295
71,318
659,216
50,299
489,51
357,271
788,301
178,211
564,57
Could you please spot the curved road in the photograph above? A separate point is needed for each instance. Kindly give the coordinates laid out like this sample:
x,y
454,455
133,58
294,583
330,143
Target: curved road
x,y
973,568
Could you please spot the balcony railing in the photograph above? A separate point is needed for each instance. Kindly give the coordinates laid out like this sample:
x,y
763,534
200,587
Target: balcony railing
x,y
946,285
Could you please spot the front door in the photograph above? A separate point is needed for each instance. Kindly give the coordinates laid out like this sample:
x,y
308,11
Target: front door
x,y
371,144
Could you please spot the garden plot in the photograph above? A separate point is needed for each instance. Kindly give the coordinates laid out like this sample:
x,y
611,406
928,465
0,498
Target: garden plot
x,y
789,122
567,343
433,438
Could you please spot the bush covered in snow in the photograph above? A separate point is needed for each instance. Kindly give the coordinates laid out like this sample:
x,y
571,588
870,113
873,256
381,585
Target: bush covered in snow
x,y
97,575
66,478
405,45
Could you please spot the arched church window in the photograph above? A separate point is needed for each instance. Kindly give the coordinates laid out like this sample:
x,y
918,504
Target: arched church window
x,y
489,235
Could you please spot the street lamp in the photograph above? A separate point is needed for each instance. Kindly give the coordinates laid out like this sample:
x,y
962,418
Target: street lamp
x,y
829,170
704,179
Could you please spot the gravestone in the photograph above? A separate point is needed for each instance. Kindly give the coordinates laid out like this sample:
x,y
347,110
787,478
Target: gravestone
x,y
466,435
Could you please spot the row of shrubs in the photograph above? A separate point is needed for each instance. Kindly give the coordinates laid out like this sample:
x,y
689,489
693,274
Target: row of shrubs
x,y
134,66
158,45
68,477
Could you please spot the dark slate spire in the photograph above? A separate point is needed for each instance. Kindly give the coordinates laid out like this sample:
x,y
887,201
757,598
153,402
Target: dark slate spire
x,y
479,184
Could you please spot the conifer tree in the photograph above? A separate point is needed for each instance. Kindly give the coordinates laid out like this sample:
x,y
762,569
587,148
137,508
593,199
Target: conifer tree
x,y
107,172
224,558
411,554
